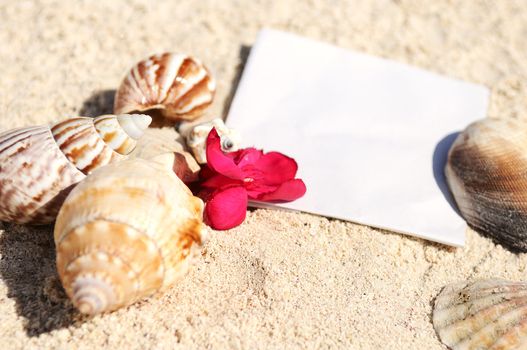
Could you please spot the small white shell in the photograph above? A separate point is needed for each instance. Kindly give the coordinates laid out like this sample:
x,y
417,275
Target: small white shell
x,y
39,165
197,138
126,232
485,314
180,86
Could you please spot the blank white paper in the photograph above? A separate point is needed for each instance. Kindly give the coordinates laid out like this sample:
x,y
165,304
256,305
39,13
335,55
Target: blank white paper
x,y
370,135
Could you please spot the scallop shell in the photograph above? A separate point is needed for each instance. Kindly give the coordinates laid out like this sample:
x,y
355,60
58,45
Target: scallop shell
x,y
39,165
161,141
126,232
485,314
180,86
487,174
197,138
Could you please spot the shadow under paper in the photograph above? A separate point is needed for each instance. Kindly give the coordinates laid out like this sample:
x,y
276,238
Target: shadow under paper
x,y
439,160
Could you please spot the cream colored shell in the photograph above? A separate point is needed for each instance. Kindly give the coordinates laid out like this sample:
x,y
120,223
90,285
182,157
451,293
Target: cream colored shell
x,y
197,138
484,314
180,86
157,141
39,165
126,232
487,174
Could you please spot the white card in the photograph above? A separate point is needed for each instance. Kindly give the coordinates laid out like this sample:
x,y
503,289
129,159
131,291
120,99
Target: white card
x,y
370,135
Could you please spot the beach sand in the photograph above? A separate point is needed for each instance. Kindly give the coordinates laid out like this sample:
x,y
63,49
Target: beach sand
x,y
280,280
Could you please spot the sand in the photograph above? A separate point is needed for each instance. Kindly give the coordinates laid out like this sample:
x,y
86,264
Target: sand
x,y
281,280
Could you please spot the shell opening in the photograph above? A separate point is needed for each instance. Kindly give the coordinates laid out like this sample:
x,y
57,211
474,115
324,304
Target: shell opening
x,y
92,295
134,124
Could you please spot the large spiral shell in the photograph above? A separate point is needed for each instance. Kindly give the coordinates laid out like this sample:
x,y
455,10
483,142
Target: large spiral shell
x,y
126,232
484,314
181,87
39,165
487,174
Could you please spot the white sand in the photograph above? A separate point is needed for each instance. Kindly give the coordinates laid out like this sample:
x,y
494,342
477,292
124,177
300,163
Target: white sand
x,y
281,279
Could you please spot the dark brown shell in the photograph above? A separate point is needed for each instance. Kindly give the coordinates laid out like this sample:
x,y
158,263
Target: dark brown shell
x,y
487,174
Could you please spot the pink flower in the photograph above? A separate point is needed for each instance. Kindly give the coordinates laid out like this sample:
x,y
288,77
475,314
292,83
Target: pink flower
x,y
231,179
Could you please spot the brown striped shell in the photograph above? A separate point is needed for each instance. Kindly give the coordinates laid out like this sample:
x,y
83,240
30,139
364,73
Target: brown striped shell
x,y
487,174
484,314
180,86
39,165
126,232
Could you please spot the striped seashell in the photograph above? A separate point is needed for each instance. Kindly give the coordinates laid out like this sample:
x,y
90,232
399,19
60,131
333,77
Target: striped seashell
x,y
181,87
126,232
40,164
487,174
484,314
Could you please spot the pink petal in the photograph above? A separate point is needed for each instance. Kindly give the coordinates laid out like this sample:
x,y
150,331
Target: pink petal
x,y
247,156
276,168
218,161
218,180
286,192
226,208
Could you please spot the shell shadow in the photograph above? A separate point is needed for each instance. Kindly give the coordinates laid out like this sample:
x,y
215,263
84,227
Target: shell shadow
x,y
27,268
243,55
99,103
439,160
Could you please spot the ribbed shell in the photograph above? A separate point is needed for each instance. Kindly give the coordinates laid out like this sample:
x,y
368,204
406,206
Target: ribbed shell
x,y
124,233
487,174
39,165
181,87
485,314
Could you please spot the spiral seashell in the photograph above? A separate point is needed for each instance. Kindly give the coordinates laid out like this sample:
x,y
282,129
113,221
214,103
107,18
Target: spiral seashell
x,y
197,138
487,174
126,232
180,86
40,164
485,314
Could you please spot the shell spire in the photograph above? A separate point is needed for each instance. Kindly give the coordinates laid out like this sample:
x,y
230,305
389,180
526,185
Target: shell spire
x,y
180,86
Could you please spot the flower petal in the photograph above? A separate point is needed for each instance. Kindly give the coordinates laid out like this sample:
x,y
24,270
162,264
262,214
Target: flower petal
x,y
247,156
218,161
216,181
286,192
276,168
226,208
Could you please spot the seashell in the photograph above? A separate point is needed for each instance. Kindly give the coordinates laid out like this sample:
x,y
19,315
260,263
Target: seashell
x,y
485,314
197,138
40,164
487,174
126,232
161,141
180,86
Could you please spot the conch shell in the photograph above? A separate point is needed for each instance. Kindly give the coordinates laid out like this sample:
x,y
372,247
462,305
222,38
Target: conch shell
x,y
487,174
39,165
180,86
197,138
126,232
485,314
